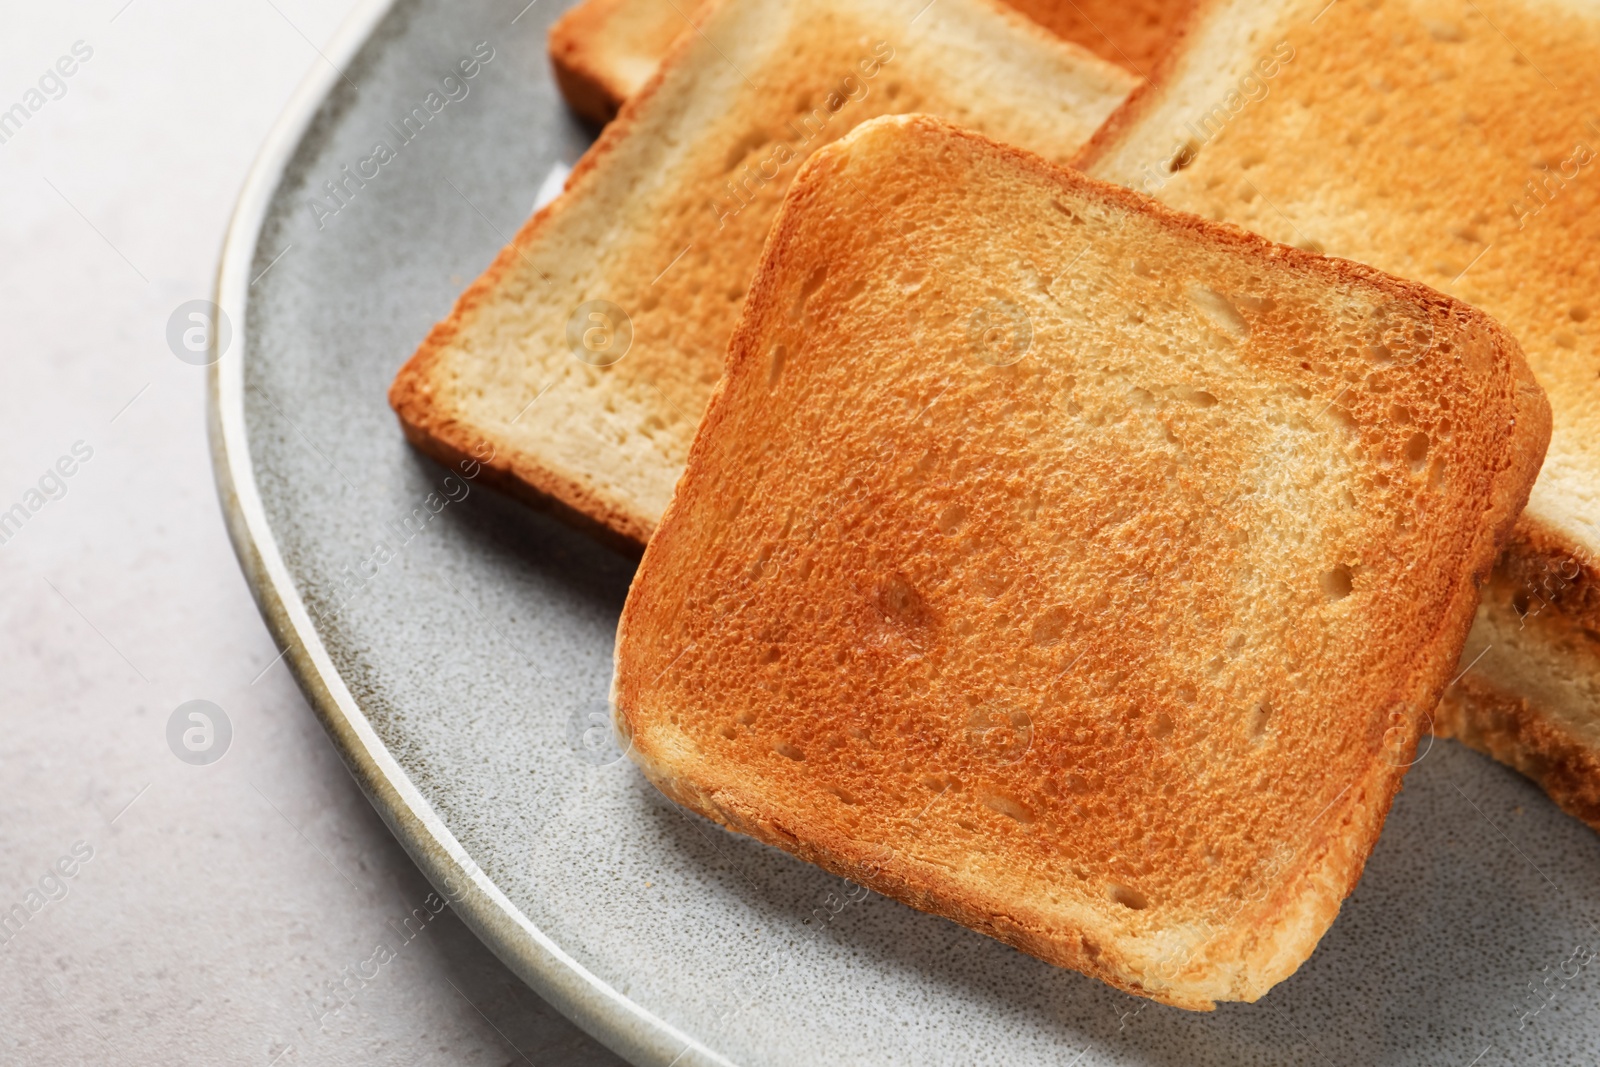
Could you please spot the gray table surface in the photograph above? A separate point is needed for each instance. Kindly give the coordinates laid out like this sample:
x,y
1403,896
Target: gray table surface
x,y
222,907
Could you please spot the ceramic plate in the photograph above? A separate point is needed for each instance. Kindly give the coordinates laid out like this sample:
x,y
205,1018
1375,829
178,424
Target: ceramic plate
x,y
458,648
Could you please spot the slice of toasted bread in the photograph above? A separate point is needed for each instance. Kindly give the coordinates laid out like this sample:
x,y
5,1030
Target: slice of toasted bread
x,y
1131,33
603,51
1462,153
584,356
1038,565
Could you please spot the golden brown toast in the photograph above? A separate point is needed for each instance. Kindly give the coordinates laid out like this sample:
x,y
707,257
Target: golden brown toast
x,y
1038,565
603,51
584,356
1461,152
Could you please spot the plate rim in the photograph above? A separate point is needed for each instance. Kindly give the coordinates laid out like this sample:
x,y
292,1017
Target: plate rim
x,y
623,1025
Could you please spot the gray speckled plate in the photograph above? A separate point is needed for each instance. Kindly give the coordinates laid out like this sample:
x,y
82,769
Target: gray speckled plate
x,y
460,661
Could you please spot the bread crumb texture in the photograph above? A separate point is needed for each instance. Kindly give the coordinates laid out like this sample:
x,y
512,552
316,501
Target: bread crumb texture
x,y
1455,145
1462,159
1070,567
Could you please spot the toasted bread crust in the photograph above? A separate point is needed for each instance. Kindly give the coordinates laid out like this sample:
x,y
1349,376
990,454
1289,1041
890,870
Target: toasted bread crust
x,y
434,430
1527,691
1274,940
582,54
589,43
1132,33
1552,570
450,443
1269,939
588,88
1147,95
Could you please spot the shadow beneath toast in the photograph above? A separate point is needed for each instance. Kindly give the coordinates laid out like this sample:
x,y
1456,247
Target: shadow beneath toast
x,y
1477,888
523,608
1457,946
524,542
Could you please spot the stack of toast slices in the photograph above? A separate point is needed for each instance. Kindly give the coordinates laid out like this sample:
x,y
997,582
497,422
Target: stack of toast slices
x,y
604,51
1030,568
1062,559
1461,154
